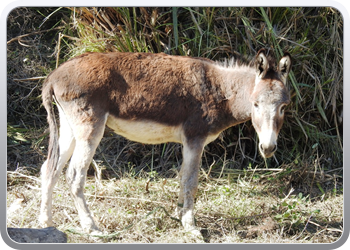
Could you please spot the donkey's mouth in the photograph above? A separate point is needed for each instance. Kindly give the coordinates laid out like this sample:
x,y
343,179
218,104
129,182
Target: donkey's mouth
x,y
267,150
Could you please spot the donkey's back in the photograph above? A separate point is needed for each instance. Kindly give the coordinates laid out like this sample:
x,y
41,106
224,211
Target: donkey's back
x,y
150,98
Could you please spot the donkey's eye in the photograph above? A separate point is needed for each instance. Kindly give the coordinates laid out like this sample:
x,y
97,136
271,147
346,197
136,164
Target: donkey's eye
x,y
256,105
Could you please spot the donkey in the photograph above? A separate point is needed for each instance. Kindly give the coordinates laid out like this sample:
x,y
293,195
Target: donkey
x,y
155,98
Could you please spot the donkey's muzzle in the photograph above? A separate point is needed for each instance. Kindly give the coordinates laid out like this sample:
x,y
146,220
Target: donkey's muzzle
x,y
267,150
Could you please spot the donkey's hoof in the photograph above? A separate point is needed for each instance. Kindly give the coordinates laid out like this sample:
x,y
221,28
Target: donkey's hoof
x,y
95,232
195,232
97,235
193,236
45,222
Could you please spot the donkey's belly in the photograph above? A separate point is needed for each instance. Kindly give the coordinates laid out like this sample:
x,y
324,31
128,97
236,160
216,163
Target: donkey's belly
x,y
147,132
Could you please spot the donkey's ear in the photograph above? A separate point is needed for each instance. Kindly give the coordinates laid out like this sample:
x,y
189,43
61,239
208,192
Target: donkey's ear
x,y
284,67
261,64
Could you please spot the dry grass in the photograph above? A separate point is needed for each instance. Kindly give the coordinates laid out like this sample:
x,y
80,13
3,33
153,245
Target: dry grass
x,y
137,210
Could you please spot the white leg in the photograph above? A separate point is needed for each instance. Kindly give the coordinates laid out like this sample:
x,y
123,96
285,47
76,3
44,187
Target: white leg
x,y
66,146
192,152
86,145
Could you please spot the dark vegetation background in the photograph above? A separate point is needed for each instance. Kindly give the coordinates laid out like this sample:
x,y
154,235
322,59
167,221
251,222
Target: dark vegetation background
x,y
309,159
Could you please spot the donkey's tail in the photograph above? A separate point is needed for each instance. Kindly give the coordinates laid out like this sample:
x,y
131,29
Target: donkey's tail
x,y
53,151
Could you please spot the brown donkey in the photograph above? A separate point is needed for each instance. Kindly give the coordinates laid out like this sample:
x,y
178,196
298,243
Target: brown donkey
x,y
155,98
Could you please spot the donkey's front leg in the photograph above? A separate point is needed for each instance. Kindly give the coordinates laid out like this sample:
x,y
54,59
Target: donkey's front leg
x,y
192,152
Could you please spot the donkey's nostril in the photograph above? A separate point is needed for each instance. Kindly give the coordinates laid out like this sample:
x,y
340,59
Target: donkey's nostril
x,y
267,150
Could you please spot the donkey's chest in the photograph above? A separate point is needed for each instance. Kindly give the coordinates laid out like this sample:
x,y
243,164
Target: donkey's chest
x,y
147,132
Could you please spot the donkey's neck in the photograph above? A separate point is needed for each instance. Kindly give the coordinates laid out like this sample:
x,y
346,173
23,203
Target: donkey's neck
x,y
237,85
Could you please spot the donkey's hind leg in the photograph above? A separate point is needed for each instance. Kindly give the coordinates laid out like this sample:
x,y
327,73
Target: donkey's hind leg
x,y
88,136
48,181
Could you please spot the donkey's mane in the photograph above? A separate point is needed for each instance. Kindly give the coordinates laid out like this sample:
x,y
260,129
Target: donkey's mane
x,y
240,62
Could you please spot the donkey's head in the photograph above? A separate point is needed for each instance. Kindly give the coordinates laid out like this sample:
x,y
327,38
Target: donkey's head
x,y
269,99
